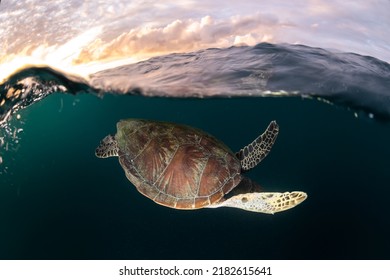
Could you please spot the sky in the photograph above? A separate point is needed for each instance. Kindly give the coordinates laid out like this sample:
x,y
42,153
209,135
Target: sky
x,y
85,36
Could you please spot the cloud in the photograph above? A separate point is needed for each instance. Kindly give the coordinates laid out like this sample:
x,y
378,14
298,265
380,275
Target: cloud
x,y
183,35
356,27
73,33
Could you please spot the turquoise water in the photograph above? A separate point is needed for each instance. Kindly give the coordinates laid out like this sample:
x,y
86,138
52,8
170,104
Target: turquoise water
x,y
58,201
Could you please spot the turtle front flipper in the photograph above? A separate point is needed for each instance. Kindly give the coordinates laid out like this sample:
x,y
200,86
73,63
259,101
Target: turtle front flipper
x,y
264,202
256,151
108,147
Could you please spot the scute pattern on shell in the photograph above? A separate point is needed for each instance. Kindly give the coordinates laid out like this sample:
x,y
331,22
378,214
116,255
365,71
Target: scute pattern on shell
x,y
176,165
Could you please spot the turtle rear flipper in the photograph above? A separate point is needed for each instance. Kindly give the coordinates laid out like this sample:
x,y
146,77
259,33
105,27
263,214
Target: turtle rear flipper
x,y
108,147
256,151
264,202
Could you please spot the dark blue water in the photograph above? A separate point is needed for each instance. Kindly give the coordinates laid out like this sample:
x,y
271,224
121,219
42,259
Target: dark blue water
x,y
58,201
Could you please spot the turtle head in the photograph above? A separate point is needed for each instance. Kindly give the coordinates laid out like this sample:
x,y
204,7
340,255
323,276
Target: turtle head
x,y
107,148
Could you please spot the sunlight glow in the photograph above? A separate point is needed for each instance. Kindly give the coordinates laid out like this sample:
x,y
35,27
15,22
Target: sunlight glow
x,y
93,36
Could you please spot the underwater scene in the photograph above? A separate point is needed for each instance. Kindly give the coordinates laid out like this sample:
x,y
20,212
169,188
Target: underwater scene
x,y
58,200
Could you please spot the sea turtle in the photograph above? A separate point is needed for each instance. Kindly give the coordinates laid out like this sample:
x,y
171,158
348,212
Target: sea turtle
x,y
185,168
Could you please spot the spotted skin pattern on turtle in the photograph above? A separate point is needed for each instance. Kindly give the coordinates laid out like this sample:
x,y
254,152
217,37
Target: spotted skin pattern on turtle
x,y
252,154
264,202
108,148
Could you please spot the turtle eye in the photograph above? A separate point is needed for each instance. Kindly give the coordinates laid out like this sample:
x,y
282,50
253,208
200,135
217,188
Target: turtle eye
x,y
244,199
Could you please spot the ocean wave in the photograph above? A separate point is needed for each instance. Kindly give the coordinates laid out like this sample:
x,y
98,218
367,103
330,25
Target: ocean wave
x,y
360,83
